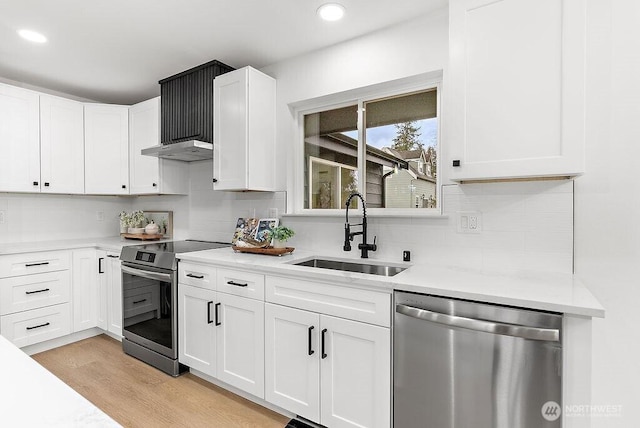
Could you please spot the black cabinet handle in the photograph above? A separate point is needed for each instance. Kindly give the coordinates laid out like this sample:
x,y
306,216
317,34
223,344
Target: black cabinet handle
x,y
154,185
190,275
237,284
100,265
215,180
36,264
124,186
139,301
112,256
37,291
38,326
35,183
311,351
46,184
209,320
324,355
217,321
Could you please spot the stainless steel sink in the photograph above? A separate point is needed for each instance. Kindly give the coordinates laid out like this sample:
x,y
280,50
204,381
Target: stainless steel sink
x,y
372,269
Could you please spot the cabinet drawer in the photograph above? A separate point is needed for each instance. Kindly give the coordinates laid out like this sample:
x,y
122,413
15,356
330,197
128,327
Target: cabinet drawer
x,y
28,263
37,325
245,284
22,293
352,303
141,300
197,275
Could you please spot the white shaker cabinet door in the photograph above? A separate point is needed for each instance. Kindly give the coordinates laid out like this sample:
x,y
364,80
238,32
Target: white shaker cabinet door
x,y
114,293
86,289
196,328
19,140
106,142
515,89
61,145
240,343
292,363
356,374
144,132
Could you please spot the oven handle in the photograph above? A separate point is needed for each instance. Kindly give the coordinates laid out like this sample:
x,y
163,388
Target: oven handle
x,y
165,277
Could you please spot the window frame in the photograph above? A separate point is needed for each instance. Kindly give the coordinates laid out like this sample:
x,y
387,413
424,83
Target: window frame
x,y
359,96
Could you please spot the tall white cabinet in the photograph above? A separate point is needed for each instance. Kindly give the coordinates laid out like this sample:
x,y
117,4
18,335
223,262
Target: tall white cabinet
x,y
147,174
106,143
61,145
19,140
515,89
86,289
110,290
244,130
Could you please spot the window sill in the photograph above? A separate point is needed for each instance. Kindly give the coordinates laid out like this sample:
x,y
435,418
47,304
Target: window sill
x,y
372,213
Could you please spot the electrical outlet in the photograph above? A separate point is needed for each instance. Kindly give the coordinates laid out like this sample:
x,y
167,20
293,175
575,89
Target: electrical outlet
x,y
99,215
2,217
469,221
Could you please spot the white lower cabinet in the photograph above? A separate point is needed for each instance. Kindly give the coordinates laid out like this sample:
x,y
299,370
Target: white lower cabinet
x,y
37,325
333,371
110,284
222,335
86,292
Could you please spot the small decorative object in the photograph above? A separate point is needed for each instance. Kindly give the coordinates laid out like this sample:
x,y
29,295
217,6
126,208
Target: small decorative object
x,y
245,230
151,228
125,218
136,223
279,235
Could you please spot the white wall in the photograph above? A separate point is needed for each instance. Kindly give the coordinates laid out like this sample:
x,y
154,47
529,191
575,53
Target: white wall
x,y
48,217
607,199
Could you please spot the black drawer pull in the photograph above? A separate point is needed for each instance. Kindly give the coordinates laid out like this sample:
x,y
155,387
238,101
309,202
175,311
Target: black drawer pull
x,y
190,275
237,284
38,326
35,183
139,301
324,355
218,322
112,256
311,351
209,320
36,264
46,184
37,291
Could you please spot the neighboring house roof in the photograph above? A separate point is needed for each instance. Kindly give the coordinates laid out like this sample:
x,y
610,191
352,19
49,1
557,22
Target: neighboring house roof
x,y
412,157
347,145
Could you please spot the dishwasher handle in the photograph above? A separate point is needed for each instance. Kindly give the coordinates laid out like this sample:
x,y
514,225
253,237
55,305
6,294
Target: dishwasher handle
x,y
533,333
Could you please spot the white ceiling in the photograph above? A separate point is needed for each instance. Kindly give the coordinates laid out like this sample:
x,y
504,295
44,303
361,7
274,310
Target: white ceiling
x,y
115,51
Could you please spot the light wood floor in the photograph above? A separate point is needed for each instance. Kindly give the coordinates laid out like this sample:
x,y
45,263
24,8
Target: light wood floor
x,y
138,395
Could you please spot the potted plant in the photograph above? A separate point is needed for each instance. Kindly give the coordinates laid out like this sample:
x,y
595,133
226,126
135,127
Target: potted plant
x,y
125,219
136,222
279,235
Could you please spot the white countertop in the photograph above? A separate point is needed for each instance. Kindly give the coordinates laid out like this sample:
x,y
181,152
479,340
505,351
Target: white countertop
x,y
555,292
31,396
111,243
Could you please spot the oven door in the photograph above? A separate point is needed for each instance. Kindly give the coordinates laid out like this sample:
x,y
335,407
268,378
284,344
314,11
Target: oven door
x,y
149,308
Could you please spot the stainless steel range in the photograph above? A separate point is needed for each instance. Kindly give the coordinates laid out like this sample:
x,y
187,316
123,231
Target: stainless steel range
x,y
149,301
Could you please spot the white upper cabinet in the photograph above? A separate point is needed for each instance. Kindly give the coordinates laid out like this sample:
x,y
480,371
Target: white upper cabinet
x,y
61,145
516,89
19,140
147,174
106,145
244,130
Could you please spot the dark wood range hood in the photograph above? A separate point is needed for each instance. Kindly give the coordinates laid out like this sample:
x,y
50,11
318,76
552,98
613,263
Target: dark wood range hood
x,y
186,113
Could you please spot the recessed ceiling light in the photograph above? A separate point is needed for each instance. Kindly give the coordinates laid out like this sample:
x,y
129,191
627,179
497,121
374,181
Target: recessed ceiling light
x,y
331,11
32,36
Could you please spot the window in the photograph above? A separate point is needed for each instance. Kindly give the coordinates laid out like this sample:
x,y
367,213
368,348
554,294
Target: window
x,y
388,153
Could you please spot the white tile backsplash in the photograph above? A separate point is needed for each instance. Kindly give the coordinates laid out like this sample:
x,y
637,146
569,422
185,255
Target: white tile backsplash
x,y
525,225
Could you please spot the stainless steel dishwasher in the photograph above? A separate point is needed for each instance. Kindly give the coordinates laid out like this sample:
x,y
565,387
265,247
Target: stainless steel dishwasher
x,y
461,364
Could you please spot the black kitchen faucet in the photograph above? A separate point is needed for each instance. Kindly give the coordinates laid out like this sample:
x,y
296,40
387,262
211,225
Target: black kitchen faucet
x,y
364,247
